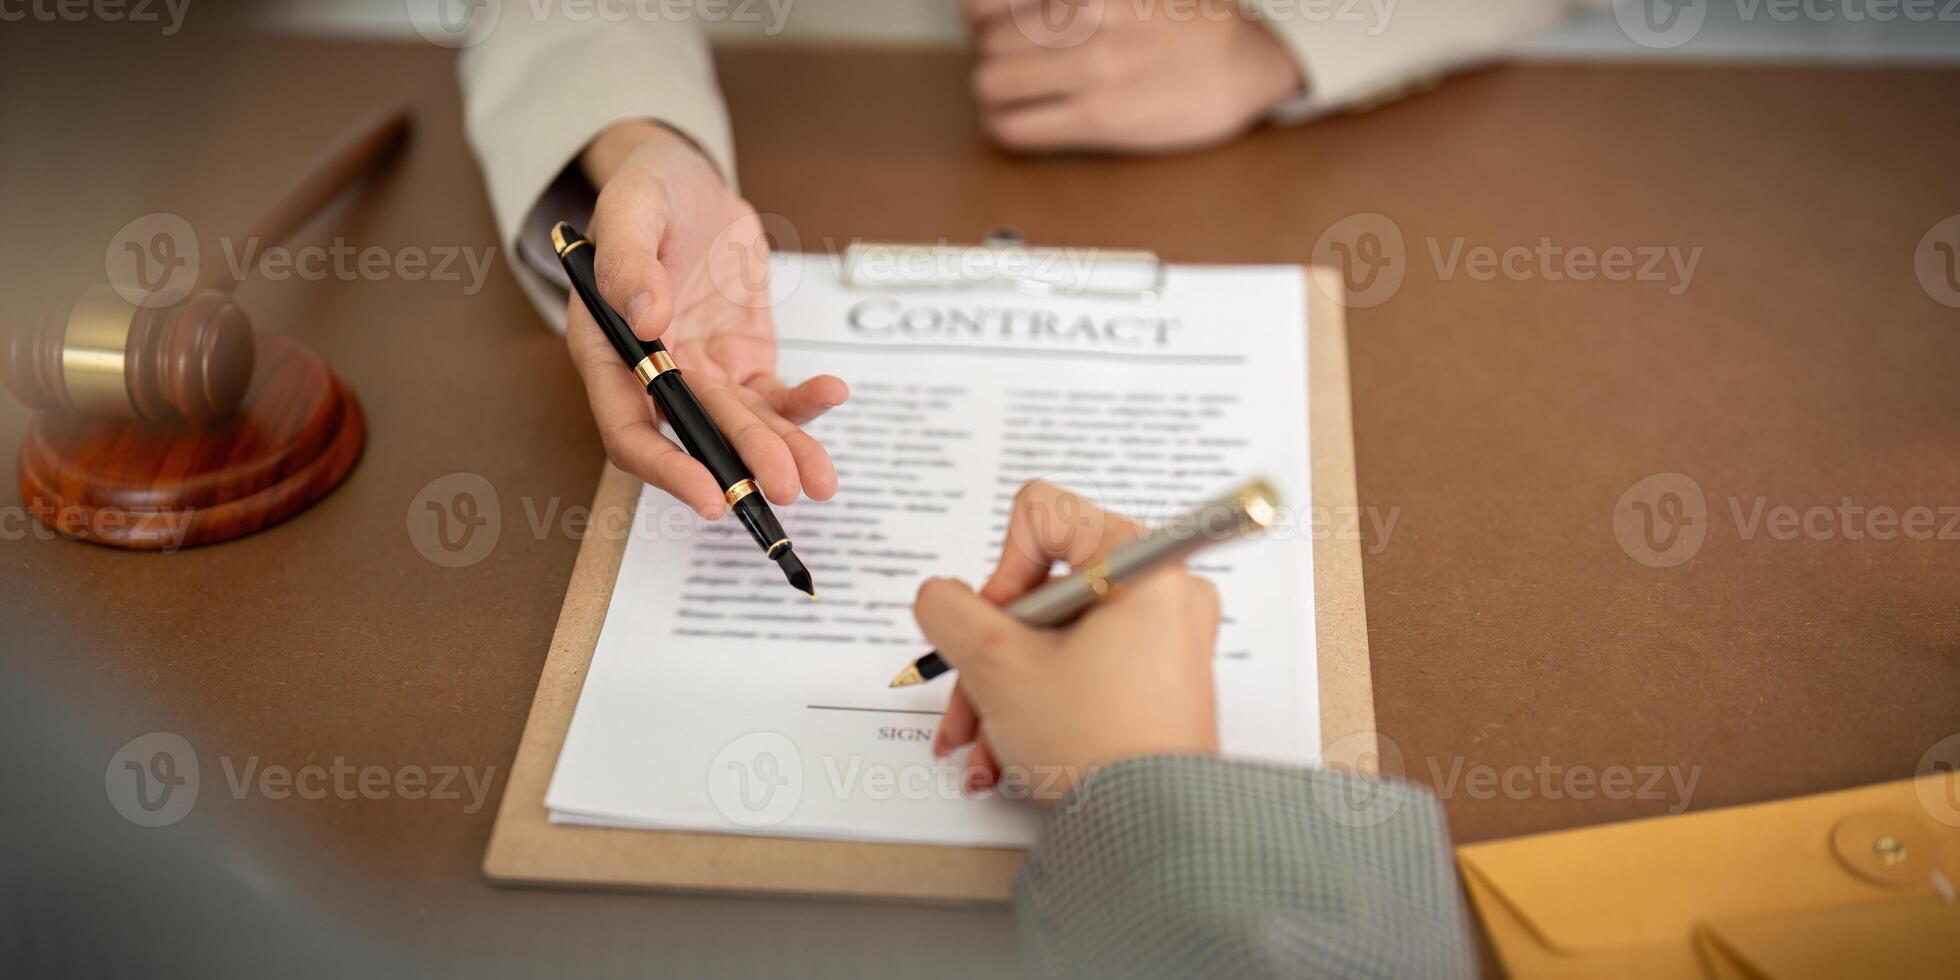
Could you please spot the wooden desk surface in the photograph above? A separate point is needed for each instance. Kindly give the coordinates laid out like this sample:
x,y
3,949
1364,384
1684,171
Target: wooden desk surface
x,y
1498,421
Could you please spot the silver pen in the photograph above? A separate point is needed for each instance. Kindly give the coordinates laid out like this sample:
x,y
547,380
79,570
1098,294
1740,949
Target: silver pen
x,y
1246,510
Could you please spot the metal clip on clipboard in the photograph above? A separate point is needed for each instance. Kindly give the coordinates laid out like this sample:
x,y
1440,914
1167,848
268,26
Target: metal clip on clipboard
x,y
1005,260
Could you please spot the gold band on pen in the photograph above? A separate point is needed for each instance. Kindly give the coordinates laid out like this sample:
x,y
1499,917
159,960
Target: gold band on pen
x,y
652,366
1259,500
1097,576
774,549
738,491
560,245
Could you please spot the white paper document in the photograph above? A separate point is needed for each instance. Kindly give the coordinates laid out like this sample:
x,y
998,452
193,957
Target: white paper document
x,y
720,699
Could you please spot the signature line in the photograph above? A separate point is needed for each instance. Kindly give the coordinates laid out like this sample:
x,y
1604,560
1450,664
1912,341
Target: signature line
x,y
876,711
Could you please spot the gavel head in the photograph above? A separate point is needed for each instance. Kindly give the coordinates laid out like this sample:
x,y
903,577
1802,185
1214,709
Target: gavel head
x,y
107,357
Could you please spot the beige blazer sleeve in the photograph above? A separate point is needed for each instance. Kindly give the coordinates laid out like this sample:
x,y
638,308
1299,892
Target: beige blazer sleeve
x,y
545,79
1360,53
542,83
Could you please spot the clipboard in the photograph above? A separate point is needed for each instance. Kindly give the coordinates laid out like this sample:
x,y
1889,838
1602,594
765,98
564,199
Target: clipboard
x,y
526,849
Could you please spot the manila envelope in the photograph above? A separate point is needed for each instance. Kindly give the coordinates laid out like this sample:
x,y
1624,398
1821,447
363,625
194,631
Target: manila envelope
x,y
1853,883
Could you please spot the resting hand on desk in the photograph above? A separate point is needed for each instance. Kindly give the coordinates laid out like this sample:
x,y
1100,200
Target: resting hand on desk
x,y
1101,75
683,258
1133,677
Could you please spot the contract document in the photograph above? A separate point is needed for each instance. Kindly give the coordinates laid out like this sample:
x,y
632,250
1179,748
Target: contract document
x,y
721,700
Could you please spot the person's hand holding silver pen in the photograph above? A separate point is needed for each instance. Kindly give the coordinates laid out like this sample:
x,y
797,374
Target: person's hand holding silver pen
x,y
1132,676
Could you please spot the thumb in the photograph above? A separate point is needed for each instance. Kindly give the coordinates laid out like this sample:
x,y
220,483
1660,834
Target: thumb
x,y
973,635
627,235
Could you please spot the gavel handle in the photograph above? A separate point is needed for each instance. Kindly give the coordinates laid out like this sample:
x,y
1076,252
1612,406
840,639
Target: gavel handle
x,y
356,153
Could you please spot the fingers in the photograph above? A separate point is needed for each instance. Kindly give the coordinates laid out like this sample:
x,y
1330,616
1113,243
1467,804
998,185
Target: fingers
x,y
979,640
1003,36
1201,595
760,447
979,12
741,355
1026,77
807,400
1049,524
957,726
1021,26
1049,126
981,769
1171,600
624,416
814,471
627,232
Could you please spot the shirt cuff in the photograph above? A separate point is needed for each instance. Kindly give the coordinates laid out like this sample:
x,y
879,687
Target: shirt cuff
x,y
1356,57
528,146
1196,865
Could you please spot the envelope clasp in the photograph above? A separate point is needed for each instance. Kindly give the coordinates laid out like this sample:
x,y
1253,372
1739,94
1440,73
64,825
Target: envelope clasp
x,y
1887,847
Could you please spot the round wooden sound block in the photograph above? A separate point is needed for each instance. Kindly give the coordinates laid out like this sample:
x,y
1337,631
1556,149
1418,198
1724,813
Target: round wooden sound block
x,y
137,485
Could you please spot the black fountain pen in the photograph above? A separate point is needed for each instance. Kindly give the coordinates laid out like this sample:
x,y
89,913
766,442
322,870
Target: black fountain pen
x,y
655,368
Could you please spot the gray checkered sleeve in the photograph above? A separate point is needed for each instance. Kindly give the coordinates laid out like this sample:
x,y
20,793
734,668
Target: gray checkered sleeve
x,y
1182,866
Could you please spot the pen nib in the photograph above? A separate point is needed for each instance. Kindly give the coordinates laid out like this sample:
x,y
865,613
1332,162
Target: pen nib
x,y
798,576
908,677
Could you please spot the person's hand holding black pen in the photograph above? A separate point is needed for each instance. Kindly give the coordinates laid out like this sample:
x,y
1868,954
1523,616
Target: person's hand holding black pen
x,y
653,367
682,258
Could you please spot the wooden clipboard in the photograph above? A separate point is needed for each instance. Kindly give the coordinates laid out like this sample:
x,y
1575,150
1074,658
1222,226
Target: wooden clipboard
x,y
526,849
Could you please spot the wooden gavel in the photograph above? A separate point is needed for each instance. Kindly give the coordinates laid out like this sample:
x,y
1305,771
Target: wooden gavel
x,y
185,361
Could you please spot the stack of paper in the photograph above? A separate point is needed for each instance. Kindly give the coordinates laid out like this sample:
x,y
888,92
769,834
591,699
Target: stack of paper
x,y
720,699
